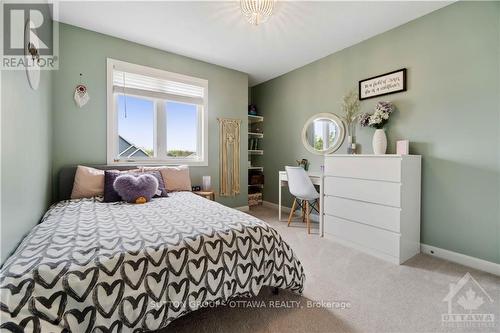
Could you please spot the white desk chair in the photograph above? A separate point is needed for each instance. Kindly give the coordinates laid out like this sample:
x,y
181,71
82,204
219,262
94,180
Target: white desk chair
x,y
303,190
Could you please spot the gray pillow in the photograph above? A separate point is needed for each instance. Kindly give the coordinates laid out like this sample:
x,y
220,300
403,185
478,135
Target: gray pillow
x,y
110,194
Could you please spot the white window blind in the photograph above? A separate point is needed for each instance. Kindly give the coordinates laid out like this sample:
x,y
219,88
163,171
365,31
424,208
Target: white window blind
x,y
155,116
164,88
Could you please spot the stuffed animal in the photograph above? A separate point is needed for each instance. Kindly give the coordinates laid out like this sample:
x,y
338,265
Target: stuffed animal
x,y
135,188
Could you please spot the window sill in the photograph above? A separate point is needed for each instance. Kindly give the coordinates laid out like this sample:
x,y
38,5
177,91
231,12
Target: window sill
x,y
173,162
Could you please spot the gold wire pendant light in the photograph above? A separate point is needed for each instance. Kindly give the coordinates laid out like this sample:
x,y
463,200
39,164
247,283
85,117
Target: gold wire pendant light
x,y
257,11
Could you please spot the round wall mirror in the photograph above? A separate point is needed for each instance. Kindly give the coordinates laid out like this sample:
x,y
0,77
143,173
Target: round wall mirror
x,y
323,133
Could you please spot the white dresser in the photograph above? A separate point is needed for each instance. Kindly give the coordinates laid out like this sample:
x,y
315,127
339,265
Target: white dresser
x,y
372,203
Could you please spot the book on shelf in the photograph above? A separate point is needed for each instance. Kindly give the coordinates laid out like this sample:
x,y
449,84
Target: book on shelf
x,y
253,144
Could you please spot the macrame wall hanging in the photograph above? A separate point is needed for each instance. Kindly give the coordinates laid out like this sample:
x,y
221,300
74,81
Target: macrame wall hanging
x,y
229,150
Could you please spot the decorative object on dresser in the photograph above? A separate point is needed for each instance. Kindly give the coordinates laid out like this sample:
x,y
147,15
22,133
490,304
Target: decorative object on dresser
x,y
379,142
323,133
378,120
402,147
389,83
350,111
229,133
372,203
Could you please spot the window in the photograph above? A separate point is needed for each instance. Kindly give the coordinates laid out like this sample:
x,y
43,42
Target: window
x,y
155,116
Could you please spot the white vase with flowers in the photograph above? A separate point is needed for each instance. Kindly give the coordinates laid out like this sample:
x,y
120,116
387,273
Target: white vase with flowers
x,y
378,119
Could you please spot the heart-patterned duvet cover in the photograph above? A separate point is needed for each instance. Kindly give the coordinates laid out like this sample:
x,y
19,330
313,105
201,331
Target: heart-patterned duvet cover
x,y
118,267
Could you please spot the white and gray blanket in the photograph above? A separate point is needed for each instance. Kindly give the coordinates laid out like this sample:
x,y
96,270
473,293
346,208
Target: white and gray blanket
x,y
117,267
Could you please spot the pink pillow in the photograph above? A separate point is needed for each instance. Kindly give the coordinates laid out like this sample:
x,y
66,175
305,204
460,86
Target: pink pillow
x,y
89,182
176,178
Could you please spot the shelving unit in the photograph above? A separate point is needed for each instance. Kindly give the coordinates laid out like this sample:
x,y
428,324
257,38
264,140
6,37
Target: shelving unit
x,y
255,119
255,169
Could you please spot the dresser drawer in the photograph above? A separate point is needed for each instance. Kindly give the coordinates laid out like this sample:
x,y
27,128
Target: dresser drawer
x,y
377,168
363,235
376,215
384,193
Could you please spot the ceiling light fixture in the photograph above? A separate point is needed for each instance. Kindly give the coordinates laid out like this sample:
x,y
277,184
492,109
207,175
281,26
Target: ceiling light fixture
x,y
257,11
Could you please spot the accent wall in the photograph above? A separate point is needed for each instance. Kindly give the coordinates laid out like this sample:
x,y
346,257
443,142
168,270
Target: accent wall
x,y
450,114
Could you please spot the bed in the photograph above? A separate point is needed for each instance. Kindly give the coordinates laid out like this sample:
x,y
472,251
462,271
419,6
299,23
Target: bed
x,y
109,267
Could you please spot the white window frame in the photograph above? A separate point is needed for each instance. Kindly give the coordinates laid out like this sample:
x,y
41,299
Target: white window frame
x,y
160,139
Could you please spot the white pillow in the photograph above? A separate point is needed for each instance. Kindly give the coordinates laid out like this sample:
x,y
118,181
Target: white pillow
x,y
176,178
89,182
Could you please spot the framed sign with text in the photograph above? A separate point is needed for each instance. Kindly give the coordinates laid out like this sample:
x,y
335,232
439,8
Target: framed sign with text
x,y
384,84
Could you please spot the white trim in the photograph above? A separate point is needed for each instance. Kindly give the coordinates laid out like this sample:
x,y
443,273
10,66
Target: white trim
x,y
157,95
160,143
462,259
270,204
243,208
364,249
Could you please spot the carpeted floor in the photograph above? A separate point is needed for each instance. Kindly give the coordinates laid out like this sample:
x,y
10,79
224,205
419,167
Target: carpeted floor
x,y
371,295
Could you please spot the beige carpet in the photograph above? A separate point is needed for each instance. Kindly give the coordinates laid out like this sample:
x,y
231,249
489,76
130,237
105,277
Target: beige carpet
x,y
383,297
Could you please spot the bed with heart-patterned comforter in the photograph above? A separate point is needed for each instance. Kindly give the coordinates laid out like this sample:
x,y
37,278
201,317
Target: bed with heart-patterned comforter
x,y
117,267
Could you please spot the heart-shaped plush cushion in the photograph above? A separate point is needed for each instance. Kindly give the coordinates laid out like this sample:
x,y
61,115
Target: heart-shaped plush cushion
x,y
131,187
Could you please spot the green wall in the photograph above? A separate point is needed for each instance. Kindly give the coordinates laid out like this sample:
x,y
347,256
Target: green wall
x,y
80,134
25,155
450,113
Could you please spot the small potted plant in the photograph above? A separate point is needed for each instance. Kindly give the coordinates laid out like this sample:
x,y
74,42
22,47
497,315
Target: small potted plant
x,y
378,119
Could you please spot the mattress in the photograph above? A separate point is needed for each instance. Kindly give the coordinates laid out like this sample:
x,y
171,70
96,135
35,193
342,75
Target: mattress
x,y
97,267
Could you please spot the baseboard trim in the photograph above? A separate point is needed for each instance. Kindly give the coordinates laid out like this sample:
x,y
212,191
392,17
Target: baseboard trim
x,y
462,259
286,210
275,206
243,208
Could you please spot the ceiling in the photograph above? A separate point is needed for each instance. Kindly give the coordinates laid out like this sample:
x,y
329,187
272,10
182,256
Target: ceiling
x,y
299,32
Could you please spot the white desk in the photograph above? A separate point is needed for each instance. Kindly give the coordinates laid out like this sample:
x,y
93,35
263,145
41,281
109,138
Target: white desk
x,y
316,179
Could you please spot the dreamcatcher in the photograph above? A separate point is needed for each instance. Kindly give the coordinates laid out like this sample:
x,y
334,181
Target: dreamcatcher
x,y
81,95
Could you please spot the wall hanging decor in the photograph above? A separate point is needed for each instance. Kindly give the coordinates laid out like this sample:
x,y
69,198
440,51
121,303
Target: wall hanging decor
x,y
32,55
81,95
384,84
229,151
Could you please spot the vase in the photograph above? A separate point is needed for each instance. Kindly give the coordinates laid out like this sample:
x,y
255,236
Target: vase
x,y
351,137
379,142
